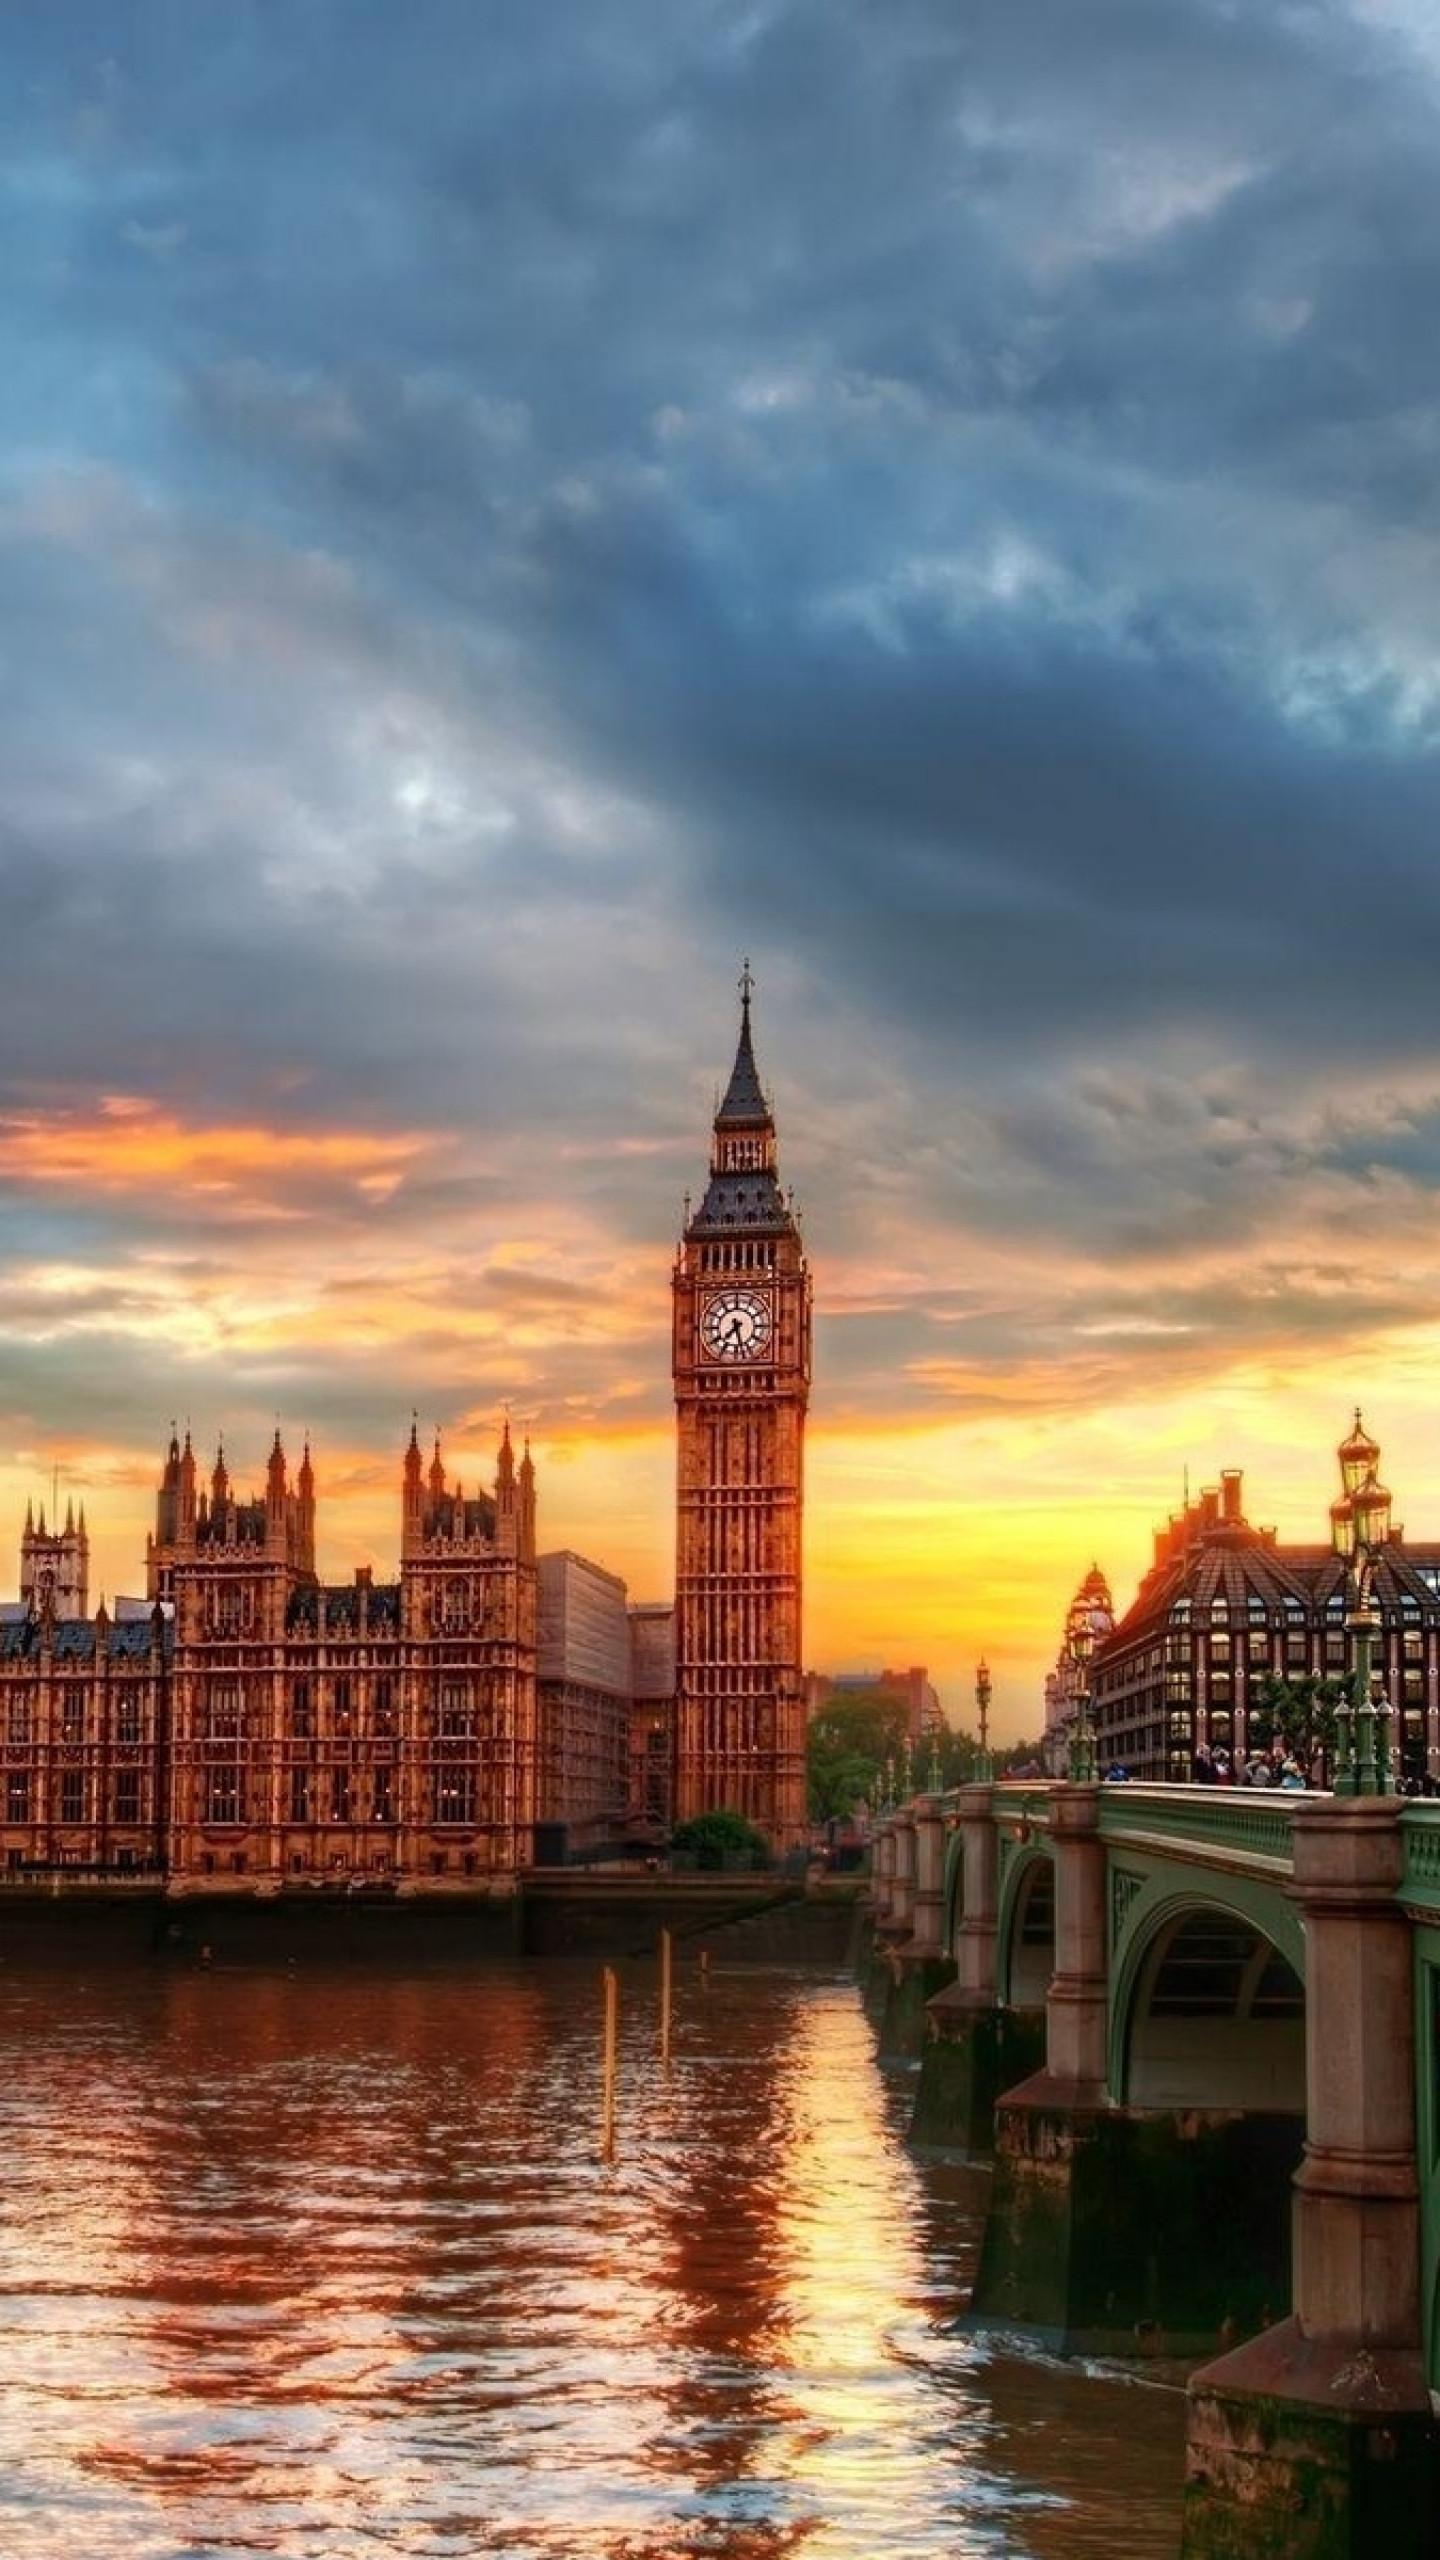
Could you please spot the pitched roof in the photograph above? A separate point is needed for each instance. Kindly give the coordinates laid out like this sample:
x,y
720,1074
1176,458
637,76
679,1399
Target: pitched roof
x,y
744,1095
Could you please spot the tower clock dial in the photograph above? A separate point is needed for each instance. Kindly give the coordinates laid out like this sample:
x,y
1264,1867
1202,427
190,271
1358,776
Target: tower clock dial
x,y
736,1324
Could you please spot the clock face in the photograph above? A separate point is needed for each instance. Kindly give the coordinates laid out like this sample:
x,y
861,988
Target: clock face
x,y
736,1324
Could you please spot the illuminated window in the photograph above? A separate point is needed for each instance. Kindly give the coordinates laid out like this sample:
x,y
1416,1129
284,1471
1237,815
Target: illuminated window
x,y
454,1792
223,1797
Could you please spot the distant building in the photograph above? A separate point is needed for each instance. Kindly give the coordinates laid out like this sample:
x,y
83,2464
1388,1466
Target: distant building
x,y
911,1691
583,1670
1224,1604
55,1564
652,1718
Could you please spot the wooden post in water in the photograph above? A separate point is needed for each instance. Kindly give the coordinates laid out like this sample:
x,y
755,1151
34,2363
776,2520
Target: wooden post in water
x,y
607,2106
665,1996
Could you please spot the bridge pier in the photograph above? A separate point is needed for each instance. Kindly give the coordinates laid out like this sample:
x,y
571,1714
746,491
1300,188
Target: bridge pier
x,y
902,1882
882,1875
1031,2262
919,1965
1316,2441
1115,2231
891,1896
974,2048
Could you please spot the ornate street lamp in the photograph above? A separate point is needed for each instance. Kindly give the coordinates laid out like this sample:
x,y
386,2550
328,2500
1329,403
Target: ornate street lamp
x,y
1089,1628
984,1765
1362,1721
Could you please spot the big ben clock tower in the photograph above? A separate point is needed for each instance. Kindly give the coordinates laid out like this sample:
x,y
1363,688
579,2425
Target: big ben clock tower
x,y
741,1364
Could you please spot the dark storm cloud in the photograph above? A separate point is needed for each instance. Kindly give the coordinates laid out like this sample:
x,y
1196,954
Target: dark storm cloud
x,y
497,520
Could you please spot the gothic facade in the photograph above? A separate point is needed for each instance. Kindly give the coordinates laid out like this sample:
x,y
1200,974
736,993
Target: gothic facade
x,y
741,1368
251,1722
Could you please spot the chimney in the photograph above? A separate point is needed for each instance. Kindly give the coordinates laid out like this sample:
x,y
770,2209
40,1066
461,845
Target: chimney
x,y
1230,1482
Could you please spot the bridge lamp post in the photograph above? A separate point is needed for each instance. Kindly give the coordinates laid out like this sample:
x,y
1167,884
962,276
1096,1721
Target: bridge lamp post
x,y
1089,1630
1362,1721
984,1765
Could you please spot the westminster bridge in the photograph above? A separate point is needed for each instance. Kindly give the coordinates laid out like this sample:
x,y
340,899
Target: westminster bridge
x,y
1199,2032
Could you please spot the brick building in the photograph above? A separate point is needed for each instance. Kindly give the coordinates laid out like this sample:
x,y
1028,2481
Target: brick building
x,y
250,1721
1224,1604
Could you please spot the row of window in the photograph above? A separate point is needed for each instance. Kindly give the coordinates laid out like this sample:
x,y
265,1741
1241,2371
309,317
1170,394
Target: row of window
x,y
127,1719
74,1797
223,1716
454,1797
1179,1686
344,1796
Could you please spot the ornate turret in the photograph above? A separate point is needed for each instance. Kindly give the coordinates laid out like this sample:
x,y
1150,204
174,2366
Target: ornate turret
x,y
277,1499
305,1514
187,1494
167,1500
527,1507
507,1508
412,1494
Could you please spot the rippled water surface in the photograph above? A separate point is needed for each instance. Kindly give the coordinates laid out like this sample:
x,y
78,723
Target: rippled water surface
x,y
326,2264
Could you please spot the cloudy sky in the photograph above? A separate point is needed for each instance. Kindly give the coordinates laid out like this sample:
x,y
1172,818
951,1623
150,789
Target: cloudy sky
x,y
506,511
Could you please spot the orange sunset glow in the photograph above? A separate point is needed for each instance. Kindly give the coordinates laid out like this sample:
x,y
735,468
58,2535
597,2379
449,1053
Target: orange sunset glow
x,y
280,1273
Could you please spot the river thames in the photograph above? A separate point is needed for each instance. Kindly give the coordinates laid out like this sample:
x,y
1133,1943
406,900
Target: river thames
x,y
325,2263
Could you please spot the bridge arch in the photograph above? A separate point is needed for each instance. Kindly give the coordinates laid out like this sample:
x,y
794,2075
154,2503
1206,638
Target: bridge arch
x,y
1207,2005
952,1893
1025,1938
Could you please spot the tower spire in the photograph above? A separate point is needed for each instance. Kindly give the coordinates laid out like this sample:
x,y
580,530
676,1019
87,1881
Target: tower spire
x,y
744,1095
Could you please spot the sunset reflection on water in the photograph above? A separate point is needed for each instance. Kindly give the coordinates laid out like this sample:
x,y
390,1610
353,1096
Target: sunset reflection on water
x,y
325,2263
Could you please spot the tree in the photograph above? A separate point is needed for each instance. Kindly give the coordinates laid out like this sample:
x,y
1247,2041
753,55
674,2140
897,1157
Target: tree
x,y
719,1840
854,1748
858,1752
1299,1714
1023,1759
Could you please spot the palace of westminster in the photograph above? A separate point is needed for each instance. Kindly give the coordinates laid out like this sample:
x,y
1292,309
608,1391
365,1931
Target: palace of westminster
x,y
246,1724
